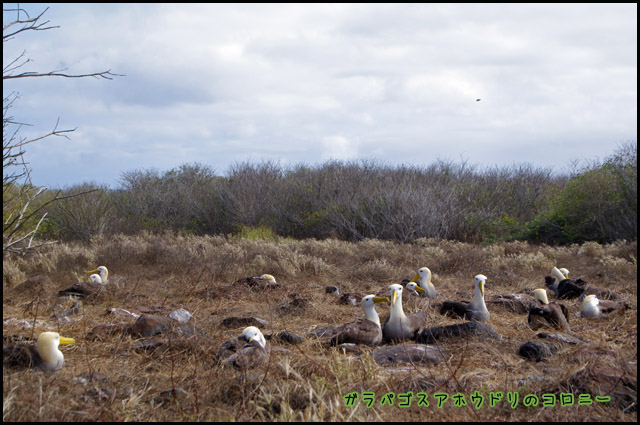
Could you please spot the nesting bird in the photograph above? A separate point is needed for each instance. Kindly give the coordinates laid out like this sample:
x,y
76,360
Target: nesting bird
x,y
565,288
43,355
269,279
423,279
103,272
246,351
593,307
552,281
474,310
399,326
366,330
84,289
260,283
548,314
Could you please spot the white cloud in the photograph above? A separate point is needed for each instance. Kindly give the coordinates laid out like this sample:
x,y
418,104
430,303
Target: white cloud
x,y
339,147
297,83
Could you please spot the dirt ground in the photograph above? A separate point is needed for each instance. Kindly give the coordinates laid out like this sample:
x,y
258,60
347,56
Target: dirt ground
x,y
110,379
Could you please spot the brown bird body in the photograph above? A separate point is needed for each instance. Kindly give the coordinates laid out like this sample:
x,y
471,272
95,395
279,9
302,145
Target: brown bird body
x,y
246,351
365,330
474,310
548,314
84,289
150,325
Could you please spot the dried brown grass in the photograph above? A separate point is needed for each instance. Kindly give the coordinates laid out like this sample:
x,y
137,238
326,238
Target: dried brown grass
x,y
109,381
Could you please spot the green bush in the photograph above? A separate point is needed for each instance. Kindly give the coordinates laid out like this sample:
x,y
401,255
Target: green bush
x,y
598,204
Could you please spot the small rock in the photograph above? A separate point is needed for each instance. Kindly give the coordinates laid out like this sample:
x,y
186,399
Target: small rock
x,y
599,380
150,344
290,338
168,395
350,299
180,315
351,348
562,337
321,331
101,332
238,322
150,325
296,305
332,290
458,330
408,353
538,351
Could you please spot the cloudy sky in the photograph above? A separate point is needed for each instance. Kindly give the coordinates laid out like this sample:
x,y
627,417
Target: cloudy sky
x,y
222,84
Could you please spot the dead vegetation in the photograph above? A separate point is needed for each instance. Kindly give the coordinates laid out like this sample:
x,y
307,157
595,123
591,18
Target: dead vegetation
x,y
108,379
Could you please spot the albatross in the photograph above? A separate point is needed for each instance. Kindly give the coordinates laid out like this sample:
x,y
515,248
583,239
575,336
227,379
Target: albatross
x,y
103,272
566,288
246,351
545,313
593,307
399,326
474,310
366,330
557,275
423,279
43,355
270,280
84,289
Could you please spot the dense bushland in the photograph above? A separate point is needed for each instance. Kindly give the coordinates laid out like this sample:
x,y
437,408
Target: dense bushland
x,y
365,199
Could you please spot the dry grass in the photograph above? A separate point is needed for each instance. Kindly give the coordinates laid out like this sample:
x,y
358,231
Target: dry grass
x,y
108,380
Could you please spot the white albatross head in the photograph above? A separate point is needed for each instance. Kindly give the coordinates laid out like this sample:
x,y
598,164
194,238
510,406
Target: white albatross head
x,y
102,271
541,295
251,333
269,278
47,344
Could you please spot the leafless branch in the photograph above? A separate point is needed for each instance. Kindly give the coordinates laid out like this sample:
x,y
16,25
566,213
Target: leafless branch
x,y
22,201
107,75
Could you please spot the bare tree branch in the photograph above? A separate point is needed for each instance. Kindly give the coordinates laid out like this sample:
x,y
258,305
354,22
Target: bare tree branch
x,y
23,202
107,75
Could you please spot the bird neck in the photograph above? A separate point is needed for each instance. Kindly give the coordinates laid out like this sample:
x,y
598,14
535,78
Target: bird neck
x,y
260,340
397,311
431,290
590,309
51,356
477,303
370,314
425,282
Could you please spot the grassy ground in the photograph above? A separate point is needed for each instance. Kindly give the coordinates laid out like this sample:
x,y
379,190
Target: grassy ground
x,y
108,380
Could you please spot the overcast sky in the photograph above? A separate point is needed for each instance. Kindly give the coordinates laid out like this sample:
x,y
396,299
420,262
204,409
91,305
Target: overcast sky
x,y
221,84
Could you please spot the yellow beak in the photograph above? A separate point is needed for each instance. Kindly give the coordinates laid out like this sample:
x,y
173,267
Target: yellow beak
x,y
419,289
378,300
395,297
482,288
415,278
93,271
65,340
